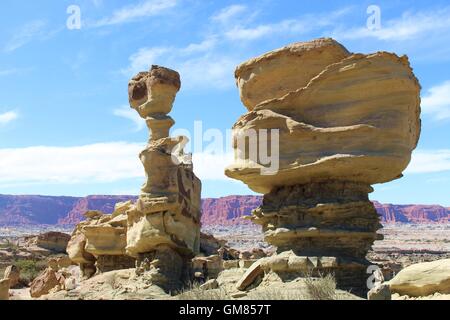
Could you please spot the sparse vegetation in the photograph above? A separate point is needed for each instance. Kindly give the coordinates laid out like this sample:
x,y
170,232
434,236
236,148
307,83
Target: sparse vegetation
x,y
278,294
30,269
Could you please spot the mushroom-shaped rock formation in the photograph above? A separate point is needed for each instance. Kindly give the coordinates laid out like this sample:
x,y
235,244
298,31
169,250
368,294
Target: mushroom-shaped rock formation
x,y
345,121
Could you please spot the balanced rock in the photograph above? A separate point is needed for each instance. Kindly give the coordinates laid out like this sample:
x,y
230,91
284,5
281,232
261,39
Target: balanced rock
x,y
334,123
168,209
160,232
423,279
164,224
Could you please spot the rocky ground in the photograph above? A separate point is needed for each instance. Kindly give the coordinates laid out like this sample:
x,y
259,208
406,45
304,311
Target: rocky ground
x,y
404,245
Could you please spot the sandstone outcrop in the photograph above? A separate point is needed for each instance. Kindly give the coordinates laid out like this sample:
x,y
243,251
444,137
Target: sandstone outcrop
x,y
344,122
423,279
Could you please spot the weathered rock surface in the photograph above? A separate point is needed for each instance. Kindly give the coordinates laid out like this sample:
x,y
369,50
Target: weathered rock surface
x,y
423,279
345,121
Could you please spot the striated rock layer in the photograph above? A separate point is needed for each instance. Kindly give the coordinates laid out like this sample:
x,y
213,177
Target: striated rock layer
x,y
345,121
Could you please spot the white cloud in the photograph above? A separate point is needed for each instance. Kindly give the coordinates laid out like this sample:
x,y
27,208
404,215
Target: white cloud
x,y
199,65
429,161
131,13
130,114
102,162
209,166
228,13
409,26
437,101
211,62
300,25
26,34
8,117
93,163
143,59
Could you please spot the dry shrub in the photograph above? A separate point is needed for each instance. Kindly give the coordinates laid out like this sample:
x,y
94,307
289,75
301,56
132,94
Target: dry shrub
x,y
194,292
321,288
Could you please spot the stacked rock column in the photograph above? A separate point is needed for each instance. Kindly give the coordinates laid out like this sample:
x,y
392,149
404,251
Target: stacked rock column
x,y
164,225
331,223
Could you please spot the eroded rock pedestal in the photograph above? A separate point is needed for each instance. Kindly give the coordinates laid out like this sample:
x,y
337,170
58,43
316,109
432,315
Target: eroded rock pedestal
x,y
160,232
345,121
164,227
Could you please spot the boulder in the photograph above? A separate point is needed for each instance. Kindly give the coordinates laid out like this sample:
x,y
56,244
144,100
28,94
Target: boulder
x,y
250,276
48,280
343,117
423,279
13,274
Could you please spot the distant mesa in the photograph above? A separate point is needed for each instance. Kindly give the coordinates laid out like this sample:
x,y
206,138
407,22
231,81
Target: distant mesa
x,y
35,210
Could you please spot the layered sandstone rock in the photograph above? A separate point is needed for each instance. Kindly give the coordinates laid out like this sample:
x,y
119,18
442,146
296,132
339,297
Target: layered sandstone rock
x,y
345,121
98,244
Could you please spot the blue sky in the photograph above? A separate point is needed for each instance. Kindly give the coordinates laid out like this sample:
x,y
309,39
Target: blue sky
x,y
65,124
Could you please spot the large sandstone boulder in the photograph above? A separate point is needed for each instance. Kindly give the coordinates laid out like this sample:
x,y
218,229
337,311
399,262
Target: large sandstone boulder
x,y
423,279
341,116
